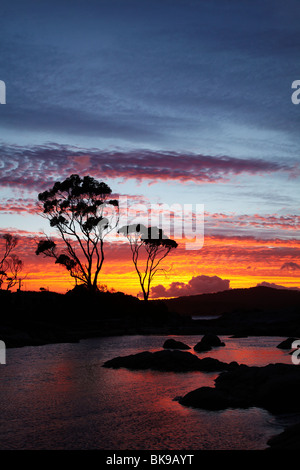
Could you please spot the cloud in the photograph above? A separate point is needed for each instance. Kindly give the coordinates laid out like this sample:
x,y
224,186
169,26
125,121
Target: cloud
x,y
134,82
38,166
19,206
276,286
290,266
31,206
267,221
197,285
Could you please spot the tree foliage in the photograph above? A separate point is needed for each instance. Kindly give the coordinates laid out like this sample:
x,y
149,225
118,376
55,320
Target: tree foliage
x,y
83,214
156,246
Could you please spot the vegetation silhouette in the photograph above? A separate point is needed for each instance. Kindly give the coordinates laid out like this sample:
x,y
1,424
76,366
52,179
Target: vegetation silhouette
x,y
156,246
10,264
83,214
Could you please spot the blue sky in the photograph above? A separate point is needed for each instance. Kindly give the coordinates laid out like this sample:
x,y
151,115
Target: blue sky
x,y
213,76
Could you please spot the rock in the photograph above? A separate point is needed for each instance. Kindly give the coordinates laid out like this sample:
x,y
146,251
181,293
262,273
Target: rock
x,y
166,360
208,342
173,344
274,387
207,398
280,393
287,343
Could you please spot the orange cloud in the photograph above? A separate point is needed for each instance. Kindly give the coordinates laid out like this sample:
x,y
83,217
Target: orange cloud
x,y
244,261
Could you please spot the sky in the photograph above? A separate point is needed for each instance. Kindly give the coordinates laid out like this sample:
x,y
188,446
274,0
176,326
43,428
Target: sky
x,y
168,102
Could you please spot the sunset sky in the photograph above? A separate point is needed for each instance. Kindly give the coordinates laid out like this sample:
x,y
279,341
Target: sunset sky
x,y
167,101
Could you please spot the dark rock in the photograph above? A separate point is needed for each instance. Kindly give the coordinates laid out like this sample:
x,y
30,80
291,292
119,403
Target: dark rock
x,y
208,342
206,397
280,394
274,387
173,344
175,361
287,343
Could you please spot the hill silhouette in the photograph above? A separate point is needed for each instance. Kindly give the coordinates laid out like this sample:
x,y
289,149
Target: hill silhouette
x,y
36,318
245,300
258,310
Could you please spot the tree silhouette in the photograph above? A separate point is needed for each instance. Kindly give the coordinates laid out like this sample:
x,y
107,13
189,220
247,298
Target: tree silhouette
x,y
10,264
15,268
155,244
83,214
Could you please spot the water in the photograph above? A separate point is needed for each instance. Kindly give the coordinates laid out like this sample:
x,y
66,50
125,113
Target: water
x,y
205,317
60,397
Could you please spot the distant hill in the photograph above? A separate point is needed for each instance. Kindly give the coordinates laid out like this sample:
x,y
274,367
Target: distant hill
x,y
253,298
37,318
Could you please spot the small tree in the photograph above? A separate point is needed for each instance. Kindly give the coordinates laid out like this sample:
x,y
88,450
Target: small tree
x,y
13,275
10,265
154,244
83,214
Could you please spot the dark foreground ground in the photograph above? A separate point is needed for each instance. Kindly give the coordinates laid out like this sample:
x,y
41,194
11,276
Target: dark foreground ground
x,y
37,318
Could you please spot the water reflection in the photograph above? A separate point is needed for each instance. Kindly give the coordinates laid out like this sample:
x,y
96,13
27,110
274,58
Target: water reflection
x,y
60,397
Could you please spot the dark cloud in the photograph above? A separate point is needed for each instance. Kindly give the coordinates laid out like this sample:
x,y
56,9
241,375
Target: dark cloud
x,y
144,71
290,266
197,285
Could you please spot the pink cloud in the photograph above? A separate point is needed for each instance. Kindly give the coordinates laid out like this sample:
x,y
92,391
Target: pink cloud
x,y
267,221
36,167
19,206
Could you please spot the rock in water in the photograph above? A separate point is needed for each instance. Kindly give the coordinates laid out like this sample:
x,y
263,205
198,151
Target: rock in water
x,y
207,398
208,342
274,387
173,344
169,361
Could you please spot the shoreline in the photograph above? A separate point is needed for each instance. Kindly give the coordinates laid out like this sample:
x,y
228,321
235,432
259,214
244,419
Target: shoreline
x,y
51,334
35,318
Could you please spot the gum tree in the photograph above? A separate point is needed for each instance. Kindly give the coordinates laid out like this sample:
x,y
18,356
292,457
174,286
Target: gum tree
x,y
10,264
83,214
14,271
151,244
